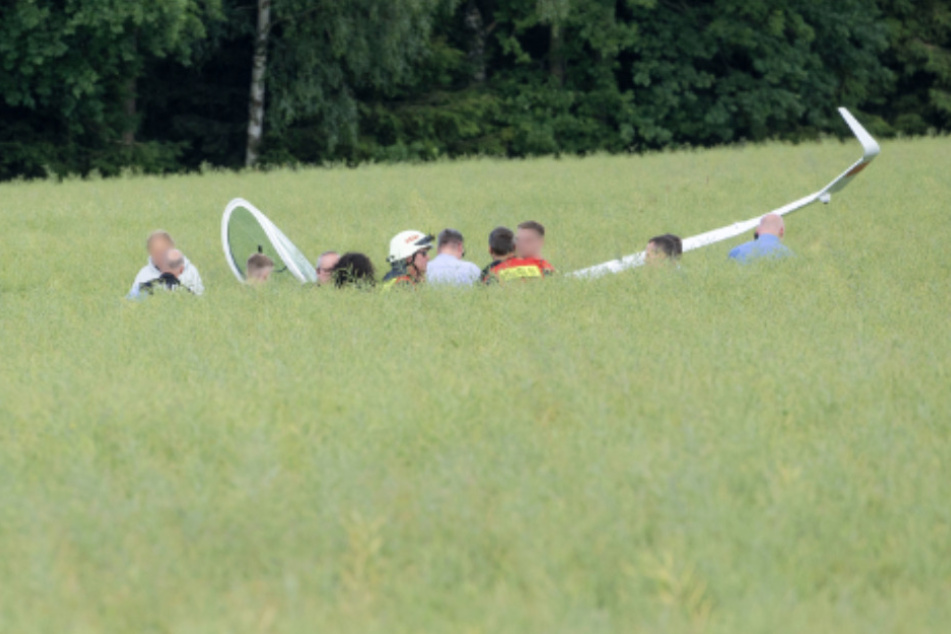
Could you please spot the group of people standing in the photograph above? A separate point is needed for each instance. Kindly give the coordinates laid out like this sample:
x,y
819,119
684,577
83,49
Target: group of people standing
x,y
516,255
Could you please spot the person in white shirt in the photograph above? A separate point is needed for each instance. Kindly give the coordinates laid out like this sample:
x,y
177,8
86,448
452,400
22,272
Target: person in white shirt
x,y
172,266
158,244
448,267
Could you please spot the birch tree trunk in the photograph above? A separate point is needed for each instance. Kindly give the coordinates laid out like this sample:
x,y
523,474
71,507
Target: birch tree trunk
x,y
256,100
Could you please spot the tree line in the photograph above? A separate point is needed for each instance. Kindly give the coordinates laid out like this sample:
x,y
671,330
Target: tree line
x,y
175,85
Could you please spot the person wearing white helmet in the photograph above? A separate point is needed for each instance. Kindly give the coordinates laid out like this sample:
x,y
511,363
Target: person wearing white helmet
x,y
409,255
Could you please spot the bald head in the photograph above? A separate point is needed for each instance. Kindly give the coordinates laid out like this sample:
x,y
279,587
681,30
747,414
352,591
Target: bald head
x,y
773,225
172,262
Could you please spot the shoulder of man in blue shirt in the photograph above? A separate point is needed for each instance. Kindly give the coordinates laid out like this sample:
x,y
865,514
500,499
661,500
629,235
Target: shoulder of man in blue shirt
x,y
766,245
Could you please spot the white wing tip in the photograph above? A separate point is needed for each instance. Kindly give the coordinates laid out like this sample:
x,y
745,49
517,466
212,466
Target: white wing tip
x,y
869,144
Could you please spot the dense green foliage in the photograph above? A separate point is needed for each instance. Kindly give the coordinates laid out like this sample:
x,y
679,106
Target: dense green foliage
x,y
714,450
164,85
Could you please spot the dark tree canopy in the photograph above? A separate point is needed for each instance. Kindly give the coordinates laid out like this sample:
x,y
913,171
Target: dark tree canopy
x,y
163,86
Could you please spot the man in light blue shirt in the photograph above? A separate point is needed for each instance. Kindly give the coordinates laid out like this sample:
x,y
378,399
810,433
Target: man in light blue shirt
x,y
767,242
448,267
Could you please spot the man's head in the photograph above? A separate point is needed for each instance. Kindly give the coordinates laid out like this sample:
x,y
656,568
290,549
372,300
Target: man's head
x,y
530,239
501,243
259,268
157,244
409,251
665,248
771,224
172,261
325,266
451,242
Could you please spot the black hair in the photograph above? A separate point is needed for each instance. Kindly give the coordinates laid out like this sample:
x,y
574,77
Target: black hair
x,y
502,241
669,244
353,269
678,244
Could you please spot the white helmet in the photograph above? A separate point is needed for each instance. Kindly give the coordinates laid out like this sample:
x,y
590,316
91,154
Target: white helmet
x,y
407,243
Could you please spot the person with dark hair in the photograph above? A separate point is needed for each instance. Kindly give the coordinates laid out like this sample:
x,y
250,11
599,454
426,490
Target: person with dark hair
x,y
766,243
529,242
506,265
448,267
259,268
409,257
665,248
678,245
353,270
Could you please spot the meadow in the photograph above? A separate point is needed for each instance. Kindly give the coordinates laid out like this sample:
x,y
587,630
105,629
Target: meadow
x,y
716,449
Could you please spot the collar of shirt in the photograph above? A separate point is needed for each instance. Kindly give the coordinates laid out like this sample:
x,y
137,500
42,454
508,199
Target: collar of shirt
x,y
444,257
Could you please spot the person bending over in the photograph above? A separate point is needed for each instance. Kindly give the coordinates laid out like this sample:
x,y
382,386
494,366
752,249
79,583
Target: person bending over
x,y
448,267
506,265
409,257
259,268
157,244
171,267
766,243
529,242
353,270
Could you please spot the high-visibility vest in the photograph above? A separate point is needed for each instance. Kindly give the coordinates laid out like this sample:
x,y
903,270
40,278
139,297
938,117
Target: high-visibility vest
x,y
517,269
398,280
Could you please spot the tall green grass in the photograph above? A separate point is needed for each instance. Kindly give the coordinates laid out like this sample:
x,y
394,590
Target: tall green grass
x,y
718,449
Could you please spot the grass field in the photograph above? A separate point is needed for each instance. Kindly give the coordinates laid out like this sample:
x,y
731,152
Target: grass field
x,y
719,449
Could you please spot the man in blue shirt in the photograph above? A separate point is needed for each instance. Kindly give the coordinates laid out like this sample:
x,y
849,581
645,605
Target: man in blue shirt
x,y
767,242
448,267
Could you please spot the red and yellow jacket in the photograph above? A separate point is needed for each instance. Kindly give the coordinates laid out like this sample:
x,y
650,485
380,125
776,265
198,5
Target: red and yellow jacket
x,y
395,279
517,269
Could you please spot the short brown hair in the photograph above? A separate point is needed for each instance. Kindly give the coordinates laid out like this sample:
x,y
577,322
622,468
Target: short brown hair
x,y
502,241
537,227
259,263
449,236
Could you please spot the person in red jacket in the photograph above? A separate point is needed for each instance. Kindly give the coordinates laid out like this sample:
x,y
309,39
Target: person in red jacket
x,y
529,242
507,265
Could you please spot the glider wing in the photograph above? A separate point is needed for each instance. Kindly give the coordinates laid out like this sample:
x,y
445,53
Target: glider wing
x,y
870,149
